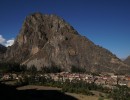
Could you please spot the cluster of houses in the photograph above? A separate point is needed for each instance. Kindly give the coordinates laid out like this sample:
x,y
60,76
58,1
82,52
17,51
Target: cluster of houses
x,y
105,79
108,79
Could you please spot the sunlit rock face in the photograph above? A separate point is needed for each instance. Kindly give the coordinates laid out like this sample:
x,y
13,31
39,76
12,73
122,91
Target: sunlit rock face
x,y
48,40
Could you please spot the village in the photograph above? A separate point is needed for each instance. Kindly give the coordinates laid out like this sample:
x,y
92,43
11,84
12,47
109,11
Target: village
x,y
109,80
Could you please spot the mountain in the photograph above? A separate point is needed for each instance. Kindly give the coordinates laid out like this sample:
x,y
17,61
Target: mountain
x,y
2,51
127,60
48,40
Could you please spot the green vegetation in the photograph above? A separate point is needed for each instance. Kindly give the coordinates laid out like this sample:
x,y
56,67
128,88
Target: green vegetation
x,y
76,87
16,67
12,67
75,69
52,69
120,93
32,69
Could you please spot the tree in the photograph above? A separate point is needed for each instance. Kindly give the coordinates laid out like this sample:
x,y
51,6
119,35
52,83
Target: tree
x,y
23,68
52,69
120,93
32,69
75,69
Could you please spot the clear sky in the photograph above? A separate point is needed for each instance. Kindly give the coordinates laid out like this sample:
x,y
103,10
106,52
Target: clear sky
x,y
105,22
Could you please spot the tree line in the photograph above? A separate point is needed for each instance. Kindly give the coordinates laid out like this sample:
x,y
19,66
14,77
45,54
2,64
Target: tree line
x,y
16,67
8,67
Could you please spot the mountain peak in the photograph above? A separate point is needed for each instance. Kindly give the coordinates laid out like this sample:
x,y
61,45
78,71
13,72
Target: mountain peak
x,y
45,22
48,40
43,27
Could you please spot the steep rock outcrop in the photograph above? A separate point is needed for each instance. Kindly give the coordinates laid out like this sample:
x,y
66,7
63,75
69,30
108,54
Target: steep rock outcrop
x,y
47,40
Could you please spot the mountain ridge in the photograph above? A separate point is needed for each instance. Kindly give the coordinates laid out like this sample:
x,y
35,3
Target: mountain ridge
x,y
48,40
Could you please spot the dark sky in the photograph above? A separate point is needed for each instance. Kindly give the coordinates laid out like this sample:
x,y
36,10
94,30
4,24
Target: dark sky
x,y
105,22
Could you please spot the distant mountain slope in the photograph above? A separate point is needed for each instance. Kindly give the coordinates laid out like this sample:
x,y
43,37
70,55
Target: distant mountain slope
x,y
127,60
47,40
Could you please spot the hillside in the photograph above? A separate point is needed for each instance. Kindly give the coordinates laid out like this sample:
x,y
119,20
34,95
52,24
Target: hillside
x,y
48,40
127,60
2,51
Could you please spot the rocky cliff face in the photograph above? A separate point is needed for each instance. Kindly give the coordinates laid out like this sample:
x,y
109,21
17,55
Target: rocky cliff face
x,y
127,60
47,40
2,51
